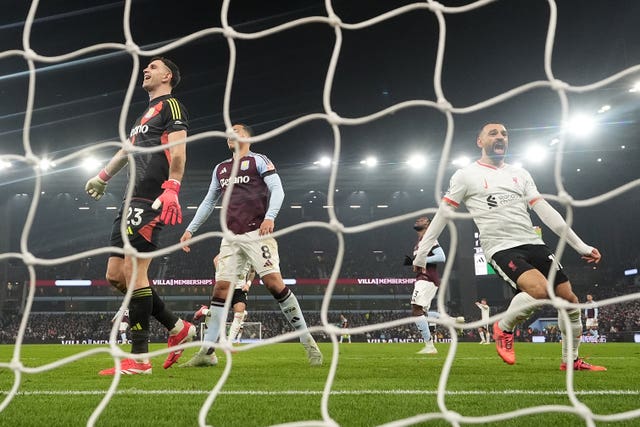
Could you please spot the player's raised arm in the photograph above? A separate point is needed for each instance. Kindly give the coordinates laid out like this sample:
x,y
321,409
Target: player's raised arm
x,y
96,186
435,228
557,224
204,209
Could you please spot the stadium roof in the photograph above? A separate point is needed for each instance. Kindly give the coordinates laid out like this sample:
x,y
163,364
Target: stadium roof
x,y
280,77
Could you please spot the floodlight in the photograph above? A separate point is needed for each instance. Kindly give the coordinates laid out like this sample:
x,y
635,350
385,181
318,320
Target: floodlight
x,y
324,161
581,125
535,153
46,164
369,162
417,161
461,161
90,164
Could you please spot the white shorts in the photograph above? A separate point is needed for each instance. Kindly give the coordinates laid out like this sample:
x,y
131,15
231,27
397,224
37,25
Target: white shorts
x,y
234,260
123,327
591,323
423,293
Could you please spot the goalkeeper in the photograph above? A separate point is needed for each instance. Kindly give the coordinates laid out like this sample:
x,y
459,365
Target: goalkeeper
x,y
157,177
498,195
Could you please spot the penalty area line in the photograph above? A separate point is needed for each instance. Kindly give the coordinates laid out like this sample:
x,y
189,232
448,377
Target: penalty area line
x,y
317,392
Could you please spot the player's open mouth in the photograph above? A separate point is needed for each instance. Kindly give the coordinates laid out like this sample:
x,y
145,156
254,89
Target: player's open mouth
x,y
499,147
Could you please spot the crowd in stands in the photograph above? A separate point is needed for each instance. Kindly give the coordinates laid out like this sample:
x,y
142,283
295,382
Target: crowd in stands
x,y
59,327
64,327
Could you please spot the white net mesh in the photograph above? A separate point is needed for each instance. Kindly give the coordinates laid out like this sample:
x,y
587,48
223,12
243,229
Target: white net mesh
x,y
336,122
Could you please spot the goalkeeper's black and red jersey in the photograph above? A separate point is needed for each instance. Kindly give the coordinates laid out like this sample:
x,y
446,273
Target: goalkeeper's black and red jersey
x,y
164,115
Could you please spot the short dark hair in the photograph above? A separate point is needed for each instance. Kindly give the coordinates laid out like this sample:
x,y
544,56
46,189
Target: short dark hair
x,y
246,128
175,71
493,122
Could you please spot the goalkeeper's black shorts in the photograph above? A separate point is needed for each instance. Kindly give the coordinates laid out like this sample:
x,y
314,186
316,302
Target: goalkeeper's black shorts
x,y
143,227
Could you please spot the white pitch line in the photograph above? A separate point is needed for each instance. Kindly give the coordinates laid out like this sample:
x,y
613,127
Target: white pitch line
x,y
334,392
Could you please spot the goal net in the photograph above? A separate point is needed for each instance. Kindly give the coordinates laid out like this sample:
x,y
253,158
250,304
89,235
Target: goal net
x,y
436,99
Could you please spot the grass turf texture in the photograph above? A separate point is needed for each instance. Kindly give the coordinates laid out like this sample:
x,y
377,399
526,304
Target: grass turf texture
x,y
375,384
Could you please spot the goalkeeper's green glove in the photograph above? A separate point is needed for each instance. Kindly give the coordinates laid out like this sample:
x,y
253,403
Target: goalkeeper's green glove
x,y
95,186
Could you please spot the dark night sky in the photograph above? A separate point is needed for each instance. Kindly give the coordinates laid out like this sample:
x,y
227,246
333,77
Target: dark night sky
x,y
281,77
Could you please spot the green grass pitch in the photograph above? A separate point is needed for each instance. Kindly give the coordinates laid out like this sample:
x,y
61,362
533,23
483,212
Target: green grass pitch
x,y
375,384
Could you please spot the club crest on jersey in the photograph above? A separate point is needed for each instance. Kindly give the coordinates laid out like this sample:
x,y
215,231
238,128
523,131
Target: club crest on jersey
x,y
150,113
244,165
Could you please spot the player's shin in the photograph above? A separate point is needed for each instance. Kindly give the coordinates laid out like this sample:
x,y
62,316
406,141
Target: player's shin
x,y
576,333
162,313
423,327
516,313
234,329
291,309
139,313
213,324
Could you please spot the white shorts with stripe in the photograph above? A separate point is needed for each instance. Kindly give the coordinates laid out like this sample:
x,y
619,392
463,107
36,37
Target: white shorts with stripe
x,y
233,260
423,293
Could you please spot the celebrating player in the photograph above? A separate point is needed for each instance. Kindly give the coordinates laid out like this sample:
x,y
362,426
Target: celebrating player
x,y
426,285
239,307
157,178
484,330
255,201
498,195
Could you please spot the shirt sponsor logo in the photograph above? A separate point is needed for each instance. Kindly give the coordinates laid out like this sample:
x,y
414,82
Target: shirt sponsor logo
x,y
139,129
501,199
244,165
238,180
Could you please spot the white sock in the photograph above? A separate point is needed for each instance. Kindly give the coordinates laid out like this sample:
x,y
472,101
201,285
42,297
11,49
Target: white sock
x,y
515,314
234,329
482,339
213,328
291,310
177,327
123,336
423,327
576,333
